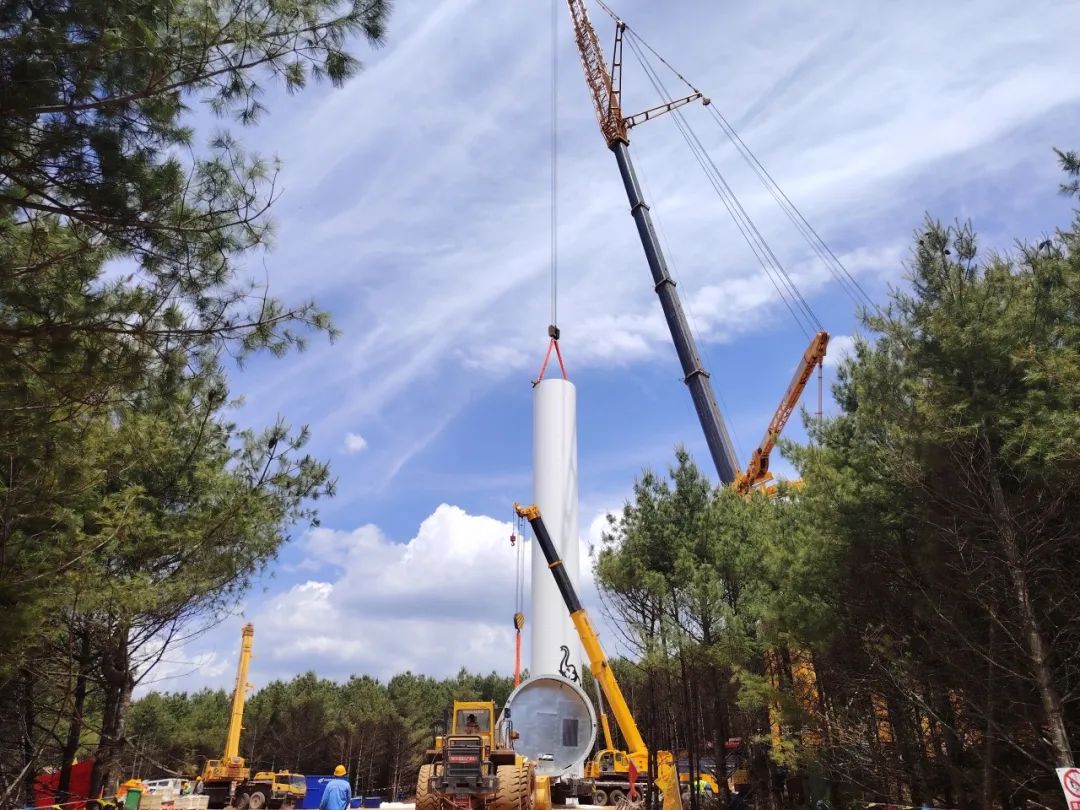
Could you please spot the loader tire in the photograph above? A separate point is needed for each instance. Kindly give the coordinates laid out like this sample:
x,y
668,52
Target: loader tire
x,y
425,799
514,788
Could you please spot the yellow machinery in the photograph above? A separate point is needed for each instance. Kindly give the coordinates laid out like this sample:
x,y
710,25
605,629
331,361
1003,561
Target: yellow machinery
x,y
637,754
609,770
756,474
228,781
474,766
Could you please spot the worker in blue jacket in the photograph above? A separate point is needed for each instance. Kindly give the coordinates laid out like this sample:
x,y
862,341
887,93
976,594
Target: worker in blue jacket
x,y
337,793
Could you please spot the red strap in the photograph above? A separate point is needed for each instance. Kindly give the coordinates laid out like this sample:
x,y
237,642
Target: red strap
x,y
553,344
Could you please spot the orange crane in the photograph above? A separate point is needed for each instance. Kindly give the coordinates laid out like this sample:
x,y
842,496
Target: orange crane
x,y
757,471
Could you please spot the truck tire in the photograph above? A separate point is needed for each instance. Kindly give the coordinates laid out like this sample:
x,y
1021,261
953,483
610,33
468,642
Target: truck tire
x,y
240,801
256,800
599,797
615,797
425,799
513,788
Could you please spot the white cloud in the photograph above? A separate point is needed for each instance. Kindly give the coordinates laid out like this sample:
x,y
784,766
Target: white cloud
x,y
355,443
840,347
439,602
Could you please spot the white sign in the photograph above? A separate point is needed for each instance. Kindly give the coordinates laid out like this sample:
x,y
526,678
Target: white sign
x,y
1070,785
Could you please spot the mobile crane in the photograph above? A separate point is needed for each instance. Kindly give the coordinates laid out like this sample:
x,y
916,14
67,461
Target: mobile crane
x,y
228,781
637,754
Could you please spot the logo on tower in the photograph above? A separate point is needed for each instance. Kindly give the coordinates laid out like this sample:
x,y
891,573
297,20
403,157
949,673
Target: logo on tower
x,y
566,669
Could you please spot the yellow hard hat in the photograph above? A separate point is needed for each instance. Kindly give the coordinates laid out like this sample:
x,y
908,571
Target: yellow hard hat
x,y
339,770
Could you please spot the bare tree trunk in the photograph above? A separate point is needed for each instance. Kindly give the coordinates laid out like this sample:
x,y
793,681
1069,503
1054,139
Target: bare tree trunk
x,y
75,725
29,722
119,683
1038,653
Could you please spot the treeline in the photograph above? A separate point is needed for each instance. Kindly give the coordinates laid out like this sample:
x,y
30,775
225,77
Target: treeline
x,y
905,626
308,725
132,510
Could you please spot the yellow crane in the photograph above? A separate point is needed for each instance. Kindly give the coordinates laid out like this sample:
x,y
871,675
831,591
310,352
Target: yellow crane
x,y
228,781
666,777
231,766
605,88
757,472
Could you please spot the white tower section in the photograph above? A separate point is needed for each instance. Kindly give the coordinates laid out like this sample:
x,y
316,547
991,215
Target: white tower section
x,y
555,648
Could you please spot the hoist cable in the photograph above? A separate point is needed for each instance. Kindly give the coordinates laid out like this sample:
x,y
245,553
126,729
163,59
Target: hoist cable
x,y
554,161
774,270
838,270
842,275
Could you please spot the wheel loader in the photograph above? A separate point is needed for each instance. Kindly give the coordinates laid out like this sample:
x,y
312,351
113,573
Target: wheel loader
x,y
474,766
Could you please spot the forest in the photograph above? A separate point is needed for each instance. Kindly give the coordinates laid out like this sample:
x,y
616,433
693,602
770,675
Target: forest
x,y
901,625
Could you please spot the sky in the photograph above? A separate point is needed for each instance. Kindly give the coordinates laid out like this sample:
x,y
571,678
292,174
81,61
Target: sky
x,y
416,209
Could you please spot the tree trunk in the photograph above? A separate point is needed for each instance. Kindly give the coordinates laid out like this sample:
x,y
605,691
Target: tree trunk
x,y
75,725
1038,653
721,732
119,683
29,722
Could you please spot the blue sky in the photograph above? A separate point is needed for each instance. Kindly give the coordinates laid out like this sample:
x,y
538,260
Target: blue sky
x,y
416,210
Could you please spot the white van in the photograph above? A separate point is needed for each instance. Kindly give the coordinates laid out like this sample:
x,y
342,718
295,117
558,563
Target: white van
x,y
167,789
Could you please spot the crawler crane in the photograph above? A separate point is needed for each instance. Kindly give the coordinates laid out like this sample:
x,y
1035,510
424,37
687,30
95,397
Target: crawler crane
x,y
606,92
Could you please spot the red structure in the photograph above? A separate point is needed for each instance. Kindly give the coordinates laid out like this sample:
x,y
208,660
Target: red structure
x,y
46,785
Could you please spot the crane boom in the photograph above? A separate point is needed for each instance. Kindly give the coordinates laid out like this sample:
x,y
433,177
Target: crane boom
x,y
667,777
231,768
614,127
758,468
236,719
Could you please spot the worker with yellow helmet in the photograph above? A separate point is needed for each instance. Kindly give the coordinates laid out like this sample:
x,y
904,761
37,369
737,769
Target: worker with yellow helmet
x,y
337,793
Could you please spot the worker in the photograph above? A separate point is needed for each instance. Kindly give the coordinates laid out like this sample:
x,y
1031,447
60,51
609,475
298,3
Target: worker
x,y
337,793
471,726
